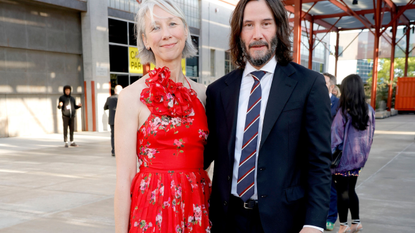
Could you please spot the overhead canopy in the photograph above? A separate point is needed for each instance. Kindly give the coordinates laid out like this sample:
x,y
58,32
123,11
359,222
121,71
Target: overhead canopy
x,y
344,15
341,15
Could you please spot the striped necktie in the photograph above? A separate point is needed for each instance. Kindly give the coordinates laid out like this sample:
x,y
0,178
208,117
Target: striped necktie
x,y
246,171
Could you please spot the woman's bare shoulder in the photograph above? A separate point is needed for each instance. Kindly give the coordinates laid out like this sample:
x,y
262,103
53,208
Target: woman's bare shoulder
x,y
200,89
133,92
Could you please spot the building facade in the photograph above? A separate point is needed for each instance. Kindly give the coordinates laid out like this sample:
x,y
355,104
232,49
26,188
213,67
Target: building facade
x,y
91,46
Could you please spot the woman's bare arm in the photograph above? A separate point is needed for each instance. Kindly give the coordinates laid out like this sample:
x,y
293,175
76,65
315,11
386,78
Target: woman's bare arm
x,y
126,125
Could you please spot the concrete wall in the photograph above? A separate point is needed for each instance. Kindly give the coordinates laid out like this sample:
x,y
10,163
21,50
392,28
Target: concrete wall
x,y
96,62
215,31
40,52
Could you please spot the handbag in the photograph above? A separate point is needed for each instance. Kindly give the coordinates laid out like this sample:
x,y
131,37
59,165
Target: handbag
x,y
337,155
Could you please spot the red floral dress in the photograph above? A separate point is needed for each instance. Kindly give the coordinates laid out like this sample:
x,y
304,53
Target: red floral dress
x,y
170,192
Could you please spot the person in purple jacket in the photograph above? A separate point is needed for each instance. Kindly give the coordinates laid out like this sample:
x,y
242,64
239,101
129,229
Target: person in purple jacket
x,y
352,131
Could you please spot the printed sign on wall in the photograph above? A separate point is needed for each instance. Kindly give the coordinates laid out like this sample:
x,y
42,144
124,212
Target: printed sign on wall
x,y
135,65
137,68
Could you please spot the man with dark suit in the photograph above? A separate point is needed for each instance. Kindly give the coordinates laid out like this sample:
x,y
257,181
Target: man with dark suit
x,y
111,105
330,83
334,105
269,131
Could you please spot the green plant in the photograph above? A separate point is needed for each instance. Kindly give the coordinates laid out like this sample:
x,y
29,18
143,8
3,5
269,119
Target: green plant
x,y
383,79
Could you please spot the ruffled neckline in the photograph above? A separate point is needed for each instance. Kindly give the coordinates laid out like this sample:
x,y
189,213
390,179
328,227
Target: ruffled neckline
x,y
165,97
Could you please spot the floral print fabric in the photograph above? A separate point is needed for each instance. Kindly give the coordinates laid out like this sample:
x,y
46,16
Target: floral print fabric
x,y
170,192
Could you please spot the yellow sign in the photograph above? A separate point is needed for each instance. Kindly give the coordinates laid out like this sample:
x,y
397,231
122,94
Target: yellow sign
x,y
137,68
152,66
184,66
135,65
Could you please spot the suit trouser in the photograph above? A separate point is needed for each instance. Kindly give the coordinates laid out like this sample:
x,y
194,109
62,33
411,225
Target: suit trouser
x,y
112,139
68,121
332,217
243,220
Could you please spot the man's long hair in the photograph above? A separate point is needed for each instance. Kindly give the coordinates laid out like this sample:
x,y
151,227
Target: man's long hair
x,y
352,101
283,51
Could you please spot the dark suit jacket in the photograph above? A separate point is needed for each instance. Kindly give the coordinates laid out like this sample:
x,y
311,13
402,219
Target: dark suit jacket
x,y
334,105
111,104
293,179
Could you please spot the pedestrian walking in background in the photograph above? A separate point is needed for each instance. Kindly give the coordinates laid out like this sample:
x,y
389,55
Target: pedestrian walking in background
x,y
334,105
111,105
334,101
68,106
352,132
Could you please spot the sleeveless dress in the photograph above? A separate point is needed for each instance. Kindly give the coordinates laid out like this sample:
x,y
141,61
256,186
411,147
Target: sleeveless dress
x,y
170,193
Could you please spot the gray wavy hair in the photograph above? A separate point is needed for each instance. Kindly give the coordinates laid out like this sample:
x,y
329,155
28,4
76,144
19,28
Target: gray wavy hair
x,y
147,56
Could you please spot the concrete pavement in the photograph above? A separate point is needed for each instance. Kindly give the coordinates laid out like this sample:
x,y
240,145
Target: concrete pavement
x,y
45,187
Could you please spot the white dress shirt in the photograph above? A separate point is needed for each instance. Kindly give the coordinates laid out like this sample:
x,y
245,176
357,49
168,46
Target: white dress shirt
x,y
244,94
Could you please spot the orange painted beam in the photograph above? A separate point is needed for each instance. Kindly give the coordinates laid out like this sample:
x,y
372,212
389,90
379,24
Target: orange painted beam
x,y
397,15
297,31
310,46
86,106
362,12
406,52
376,54
94,120
392,66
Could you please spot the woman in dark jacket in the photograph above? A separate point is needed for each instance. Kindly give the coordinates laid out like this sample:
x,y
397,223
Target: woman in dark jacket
x,y
352,131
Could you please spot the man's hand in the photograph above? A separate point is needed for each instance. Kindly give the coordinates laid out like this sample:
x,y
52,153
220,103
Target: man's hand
x,y
309,230
60,104
80,105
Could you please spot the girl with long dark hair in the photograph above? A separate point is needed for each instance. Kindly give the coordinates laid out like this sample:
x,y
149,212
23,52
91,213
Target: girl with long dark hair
x,y
352,132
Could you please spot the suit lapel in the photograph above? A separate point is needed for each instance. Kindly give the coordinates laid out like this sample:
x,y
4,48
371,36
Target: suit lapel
x,y
230,98
281,89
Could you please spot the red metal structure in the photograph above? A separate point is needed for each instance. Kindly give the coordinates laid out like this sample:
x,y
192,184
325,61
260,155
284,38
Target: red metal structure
x,y
405,94
341,15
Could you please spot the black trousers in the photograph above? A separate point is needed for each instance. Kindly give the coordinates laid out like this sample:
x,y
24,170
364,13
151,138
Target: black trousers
x,y
112,139
347,197
243,220
68,122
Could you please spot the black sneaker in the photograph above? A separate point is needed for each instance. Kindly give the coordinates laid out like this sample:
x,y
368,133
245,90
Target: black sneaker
x,y
73,144
113,155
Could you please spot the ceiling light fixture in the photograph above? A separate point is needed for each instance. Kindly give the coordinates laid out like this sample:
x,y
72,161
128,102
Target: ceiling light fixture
x,y
355,2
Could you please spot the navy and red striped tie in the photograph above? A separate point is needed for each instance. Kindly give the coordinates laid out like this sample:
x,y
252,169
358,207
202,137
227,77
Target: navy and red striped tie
x,y
246,171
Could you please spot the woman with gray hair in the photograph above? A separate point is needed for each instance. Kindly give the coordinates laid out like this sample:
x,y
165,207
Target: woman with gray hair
x,y
161,120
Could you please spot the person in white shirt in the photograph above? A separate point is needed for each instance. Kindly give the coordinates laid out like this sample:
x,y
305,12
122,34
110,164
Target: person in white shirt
x,y
269,123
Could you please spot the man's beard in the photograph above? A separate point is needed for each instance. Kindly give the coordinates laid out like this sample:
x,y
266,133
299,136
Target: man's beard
x,y
259,61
